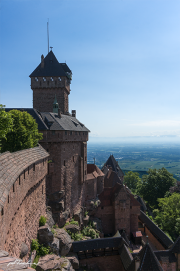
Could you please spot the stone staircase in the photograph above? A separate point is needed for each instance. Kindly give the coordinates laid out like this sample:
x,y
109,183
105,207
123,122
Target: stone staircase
x,y
8,263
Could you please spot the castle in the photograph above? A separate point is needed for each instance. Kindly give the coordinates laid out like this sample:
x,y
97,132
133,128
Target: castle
x,y
59,172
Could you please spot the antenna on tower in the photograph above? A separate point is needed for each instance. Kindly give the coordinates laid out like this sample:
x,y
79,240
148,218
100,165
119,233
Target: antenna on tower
x,y
48,33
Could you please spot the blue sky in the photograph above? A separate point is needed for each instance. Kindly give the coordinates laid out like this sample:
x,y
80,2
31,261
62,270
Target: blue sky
x,y
124,55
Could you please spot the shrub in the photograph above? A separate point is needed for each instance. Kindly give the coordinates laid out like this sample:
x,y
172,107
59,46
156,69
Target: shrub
x,y
42,221
34,245
55,226
86,213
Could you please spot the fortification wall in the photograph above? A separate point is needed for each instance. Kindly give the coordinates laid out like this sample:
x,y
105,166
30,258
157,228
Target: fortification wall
x,y
22,197
67,169
105,263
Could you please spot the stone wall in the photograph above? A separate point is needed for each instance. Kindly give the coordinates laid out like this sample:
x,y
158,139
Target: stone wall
x,y
151,237
24,197
44,91
67,167
106,263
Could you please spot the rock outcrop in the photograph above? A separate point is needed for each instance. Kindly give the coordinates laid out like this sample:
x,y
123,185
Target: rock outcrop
x,y
45,235
65,241
53,262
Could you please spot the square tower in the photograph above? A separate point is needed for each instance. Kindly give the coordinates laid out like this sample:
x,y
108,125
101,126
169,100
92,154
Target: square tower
x,y
48,80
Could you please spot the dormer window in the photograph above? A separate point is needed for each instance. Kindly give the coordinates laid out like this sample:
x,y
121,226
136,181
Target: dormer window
x,y
44,79
36,79
59,78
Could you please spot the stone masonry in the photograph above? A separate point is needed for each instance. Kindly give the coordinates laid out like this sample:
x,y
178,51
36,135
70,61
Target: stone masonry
x,y
22,197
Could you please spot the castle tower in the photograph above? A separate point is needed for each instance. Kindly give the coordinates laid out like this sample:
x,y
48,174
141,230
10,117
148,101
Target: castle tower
x,y
50,78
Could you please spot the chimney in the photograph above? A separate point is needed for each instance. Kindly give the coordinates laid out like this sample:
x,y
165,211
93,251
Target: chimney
x,y
42,61
74,113
59,112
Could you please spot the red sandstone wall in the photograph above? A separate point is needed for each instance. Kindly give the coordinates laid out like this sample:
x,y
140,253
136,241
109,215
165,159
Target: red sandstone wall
x,y
106,214
134,213
106,263
68,169
44,93
122,211
151,237
24,205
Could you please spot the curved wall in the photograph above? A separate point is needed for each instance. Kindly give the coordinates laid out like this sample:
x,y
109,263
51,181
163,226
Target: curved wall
x,y
22,196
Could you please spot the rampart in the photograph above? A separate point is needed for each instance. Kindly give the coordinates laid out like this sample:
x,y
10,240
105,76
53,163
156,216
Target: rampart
x,y
22,197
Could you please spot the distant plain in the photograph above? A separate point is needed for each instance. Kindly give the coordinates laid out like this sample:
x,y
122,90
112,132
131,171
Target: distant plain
x,y
138,157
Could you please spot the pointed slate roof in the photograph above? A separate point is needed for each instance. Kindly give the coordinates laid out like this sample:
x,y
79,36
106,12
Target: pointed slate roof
x,y
148,260
51,68
114,164
176,246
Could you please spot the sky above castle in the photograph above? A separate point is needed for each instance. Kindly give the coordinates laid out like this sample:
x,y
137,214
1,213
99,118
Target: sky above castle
x,y
124,56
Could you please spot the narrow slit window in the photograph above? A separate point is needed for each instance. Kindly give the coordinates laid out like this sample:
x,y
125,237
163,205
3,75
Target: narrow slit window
x,y
13,188
64,162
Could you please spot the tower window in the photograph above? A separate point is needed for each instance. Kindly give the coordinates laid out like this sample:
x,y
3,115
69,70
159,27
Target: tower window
x,y
2,211
64,162
73,158
42,189
13,188
8,198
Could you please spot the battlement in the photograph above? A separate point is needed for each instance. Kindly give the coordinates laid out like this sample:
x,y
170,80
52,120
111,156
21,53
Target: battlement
x,y
49,82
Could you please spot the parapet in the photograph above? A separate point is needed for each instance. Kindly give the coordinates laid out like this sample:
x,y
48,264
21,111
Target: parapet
x,y
13,164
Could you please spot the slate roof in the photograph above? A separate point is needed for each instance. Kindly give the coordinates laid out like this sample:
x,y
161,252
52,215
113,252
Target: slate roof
x,y
176,246
13,164
148,260
65,122
51,121
126,256
51,68
114,164
143,205
35,114
155,230
97,244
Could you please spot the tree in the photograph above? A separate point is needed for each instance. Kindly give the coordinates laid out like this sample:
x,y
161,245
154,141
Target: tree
x,y
24,133
155,185
131,179
167,216
6,123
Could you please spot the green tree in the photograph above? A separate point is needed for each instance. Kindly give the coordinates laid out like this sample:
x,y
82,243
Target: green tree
x,y
131,179
167,216
24,133
6,123
155,185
